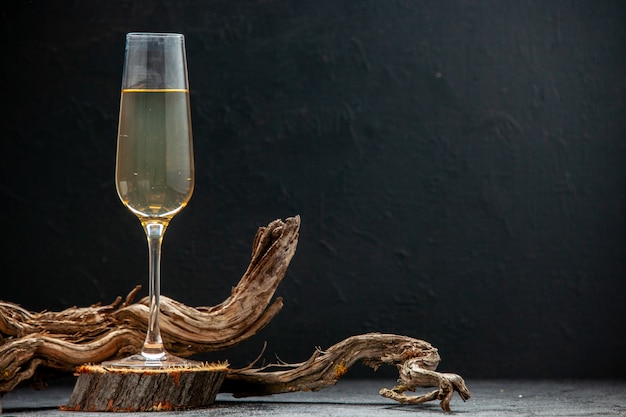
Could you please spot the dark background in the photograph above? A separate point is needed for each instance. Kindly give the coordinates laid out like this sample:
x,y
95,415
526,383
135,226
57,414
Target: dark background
x,y
459,166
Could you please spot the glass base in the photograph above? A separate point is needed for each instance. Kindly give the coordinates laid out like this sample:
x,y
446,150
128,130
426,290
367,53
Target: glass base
x,y
140,361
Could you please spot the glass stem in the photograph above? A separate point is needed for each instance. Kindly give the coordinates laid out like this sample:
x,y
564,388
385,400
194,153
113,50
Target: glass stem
x,y
153,348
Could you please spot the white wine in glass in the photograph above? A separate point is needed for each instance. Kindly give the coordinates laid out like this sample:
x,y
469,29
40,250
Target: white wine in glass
x,y
154,172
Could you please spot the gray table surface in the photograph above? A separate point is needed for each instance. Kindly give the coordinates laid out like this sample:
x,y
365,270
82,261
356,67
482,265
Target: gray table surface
x,y
360,398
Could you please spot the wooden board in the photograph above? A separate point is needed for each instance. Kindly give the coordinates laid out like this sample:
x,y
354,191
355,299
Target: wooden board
x,y
101,389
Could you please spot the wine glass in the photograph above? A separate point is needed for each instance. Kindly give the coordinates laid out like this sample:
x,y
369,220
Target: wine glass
x,y
154,172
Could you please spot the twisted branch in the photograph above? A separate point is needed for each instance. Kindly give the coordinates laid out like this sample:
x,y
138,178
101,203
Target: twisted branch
x,y
415,359
64,340
324,368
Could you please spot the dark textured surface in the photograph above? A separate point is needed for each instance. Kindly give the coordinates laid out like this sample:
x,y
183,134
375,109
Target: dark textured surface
x,y
459,166
502,398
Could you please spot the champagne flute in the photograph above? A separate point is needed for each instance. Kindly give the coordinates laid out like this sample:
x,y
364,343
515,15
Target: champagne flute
x,y
154,172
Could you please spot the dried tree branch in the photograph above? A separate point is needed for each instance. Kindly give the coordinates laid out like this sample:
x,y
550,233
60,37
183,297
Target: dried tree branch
x,y
415,359
324,368
64,340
